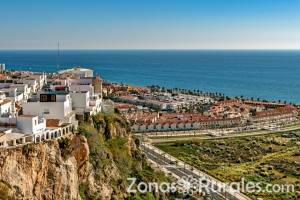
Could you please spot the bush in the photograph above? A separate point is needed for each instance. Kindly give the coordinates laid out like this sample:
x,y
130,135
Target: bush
x,y
64,144
5,191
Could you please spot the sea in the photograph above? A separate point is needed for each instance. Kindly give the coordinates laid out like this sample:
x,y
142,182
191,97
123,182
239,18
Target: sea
x,y
265,74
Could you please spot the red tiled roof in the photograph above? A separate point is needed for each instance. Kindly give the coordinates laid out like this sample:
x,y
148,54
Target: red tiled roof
x,y
277,111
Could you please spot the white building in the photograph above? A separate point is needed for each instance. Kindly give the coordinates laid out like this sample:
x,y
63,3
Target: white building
x,y
2,95
2,67
80,101
80,81
51,106
41,79
32,83
17,92
30,124
78,72
95,104
5,107
82,88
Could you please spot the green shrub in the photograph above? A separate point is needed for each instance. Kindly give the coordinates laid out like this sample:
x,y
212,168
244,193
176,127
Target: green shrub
x,y
5,191
64,144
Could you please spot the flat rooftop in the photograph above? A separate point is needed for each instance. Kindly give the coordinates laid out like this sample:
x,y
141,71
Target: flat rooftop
x,y
10,136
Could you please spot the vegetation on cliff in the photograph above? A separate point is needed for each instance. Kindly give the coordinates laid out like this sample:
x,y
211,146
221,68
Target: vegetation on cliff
x,y
93,164
114,150
5,191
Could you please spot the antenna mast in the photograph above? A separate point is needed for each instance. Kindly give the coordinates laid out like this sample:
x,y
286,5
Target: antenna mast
x,y
58,54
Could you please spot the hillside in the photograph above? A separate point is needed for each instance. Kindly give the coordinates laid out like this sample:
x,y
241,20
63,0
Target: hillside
x,y
93,164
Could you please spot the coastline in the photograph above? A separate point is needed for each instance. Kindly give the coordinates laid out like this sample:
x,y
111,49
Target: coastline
x,y
263,74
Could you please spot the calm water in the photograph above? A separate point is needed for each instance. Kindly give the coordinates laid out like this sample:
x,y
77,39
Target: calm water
x,y
269,75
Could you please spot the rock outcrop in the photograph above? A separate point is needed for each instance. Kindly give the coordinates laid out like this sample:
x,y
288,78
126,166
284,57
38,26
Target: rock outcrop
x,y
40,171
48,171
92,164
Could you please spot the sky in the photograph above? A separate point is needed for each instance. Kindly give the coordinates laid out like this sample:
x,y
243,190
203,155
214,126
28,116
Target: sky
x,y
150,24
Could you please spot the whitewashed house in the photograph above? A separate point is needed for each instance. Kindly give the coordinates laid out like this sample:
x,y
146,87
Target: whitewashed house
x,y
30,124
32,83
5,107
82,88
80,101
51,105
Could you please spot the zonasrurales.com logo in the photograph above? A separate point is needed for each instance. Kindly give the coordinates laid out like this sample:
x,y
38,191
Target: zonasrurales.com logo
x,y
188,185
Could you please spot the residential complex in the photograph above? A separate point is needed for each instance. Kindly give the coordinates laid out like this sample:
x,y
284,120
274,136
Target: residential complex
x,y
173,111
40,106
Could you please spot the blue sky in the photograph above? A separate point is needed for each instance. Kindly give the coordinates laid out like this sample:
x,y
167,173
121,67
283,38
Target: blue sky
x,y
150,24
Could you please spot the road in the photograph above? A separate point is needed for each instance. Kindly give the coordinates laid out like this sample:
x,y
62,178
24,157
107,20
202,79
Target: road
x,y
166,161
247,134
181,169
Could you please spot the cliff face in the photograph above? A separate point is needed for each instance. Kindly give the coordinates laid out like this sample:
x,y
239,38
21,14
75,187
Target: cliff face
x,y
93,164
46,171
39,171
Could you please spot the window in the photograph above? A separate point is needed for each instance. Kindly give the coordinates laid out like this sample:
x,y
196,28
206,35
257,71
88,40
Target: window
x,y
53,98
43,98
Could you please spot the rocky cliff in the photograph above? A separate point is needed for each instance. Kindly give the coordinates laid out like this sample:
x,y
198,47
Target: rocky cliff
x,y
93,164
39,171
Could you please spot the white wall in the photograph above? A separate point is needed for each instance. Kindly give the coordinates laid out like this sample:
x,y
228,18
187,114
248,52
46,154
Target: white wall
x,y
19,97
6,109
78,72
48,110
80,100
82,88
80,81
83,73
31,125
32,83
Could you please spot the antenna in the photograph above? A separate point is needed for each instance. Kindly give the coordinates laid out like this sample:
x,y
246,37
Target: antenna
x,y
58,54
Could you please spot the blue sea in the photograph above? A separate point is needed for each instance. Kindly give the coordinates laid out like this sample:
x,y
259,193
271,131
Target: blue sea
x,y
270,75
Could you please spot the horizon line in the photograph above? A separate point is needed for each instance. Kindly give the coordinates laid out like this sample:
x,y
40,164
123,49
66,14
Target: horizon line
x,y
153,49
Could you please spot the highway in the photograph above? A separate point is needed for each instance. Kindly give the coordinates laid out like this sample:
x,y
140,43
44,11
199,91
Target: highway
x,y
167,162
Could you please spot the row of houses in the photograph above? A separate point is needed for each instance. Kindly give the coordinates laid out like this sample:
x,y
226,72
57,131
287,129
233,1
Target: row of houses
x,y
15,88
186,125
175,122
279,114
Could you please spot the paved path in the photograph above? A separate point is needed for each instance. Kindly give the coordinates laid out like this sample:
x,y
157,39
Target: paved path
x,y
182,170
247,134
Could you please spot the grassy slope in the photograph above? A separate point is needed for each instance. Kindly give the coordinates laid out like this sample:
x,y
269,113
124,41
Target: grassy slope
x,y
268,159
